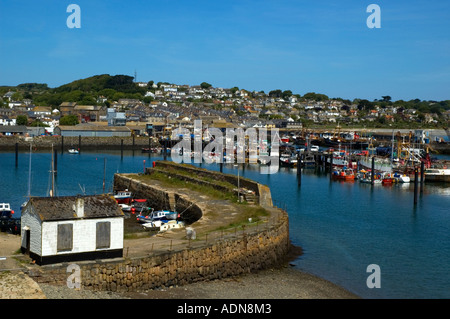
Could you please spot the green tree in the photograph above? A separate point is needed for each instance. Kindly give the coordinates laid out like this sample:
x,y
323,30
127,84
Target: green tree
x,y
286,94
17,96
38,123
275,93
68,120
205,85
22,120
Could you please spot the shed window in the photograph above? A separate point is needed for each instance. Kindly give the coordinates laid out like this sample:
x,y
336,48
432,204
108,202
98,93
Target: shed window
x,y
103,235
65,237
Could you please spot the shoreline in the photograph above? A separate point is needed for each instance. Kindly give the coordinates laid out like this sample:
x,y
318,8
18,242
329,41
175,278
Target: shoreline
x,y
135,143
278,282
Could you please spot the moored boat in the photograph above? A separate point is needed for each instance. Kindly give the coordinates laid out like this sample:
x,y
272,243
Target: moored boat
x,y
7,221
344,174
288,160
74,151
161,215
402,178
437,175
387,179
339,159
123,197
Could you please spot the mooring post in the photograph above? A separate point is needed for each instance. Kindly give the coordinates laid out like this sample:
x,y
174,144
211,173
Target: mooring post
x,y
165,149
121,148
299,169
416,183
331,165
17,154
422,176
62,144
79,143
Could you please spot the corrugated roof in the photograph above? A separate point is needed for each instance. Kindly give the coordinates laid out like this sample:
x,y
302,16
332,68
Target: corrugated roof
x,y
63,207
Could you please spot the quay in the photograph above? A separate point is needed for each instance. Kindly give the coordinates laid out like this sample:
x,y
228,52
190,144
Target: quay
x,y
232,237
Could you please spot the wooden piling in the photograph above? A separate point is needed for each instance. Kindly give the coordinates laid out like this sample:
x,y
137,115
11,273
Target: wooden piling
x,y
416,183
422,176
331,165
17,154
165,149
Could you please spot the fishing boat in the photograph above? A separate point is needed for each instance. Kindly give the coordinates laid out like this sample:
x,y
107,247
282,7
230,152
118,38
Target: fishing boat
x,y
123,197
288,160
5,210
161,225
402,178
380,164
344,174
7,221
339,159
74,151
162,215
437,175
387,179
366,177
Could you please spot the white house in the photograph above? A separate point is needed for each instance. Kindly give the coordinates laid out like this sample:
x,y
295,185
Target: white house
x,y
72,228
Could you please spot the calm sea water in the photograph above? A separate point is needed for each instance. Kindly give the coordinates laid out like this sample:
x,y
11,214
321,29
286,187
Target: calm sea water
x,y
342,227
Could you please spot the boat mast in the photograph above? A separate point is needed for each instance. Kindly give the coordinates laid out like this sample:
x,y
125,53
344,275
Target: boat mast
x,y
104,173
52,193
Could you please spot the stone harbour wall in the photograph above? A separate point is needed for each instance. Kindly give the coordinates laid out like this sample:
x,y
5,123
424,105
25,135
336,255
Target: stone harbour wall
x,y
228,257
251,250
8,143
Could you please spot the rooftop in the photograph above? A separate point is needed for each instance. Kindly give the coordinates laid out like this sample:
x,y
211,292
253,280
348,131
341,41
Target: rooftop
x,y
64,207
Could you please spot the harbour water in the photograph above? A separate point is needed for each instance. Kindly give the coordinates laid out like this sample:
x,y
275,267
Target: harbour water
x,y
343,227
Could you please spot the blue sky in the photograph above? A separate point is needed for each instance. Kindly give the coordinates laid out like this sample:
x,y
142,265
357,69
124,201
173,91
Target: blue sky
x,y
302,46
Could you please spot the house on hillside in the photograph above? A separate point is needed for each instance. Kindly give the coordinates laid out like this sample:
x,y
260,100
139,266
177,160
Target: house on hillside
x,y
72,228
67,108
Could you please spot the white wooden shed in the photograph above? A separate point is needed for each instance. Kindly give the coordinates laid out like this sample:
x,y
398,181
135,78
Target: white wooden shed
x,y
72,228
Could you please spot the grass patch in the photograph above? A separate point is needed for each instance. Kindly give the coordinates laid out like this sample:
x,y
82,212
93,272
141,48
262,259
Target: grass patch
x,y
242,219
175,182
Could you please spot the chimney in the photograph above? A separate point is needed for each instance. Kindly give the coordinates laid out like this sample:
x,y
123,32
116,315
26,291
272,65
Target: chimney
x,y
79,207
